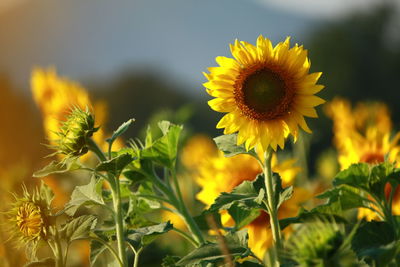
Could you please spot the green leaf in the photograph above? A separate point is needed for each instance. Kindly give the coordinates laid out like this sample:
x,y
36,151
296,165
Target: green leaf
x,y
170,261
202,220
164,150
357,175
78,228
46,193
375,242
54,167
242,216
116,164
227,143
87,195
236,244
248,194
98,249
341,199
143,236
121,129
47,262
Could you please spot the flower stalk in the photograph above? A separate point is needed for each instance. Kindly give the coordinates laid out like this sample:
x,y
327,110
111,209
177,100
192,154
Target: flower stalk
x,y
271,204
116,197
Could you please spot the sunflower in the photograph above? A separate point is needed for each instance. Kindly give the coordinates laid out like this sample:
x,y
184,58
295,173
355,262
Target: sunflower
x,y
219,174
363,134
266,92
28,218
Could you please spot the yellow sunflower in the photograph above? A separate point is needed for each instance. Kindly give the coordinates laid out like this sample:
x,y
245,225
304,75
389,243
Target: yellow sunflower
x,y
28,218
219,174
363,134
266,92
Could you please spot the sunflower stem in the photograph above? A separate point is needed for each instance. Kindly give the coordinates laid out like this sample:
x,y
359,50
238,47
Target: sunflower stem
x,y
58,251
272,205
116,197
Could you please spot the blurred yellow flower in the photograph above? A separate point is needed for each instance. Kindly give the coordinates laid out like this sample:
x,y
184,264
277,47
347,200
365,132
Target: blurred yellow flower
x,y
362,134
266,92
220,174
196,150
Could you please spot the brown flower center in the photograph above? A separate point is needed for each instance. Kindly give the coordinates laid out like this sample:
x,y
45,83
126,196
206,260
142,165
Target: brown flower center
x,y
263,93
373,158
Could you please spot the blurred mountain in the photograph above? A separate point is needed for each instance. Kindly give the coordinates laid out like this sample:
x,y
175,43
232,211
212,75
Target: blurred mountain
x,y
95,39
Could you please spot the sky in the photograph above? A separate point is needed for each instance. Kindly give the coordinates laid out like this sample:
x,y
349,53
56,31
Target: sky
x,y
90,40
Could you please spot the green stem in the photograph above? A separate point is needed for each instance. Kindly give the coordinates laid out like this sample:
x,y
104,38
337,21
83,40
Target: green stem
x,y
272,205
191,224
186,236
119,224
58,251
136,260
116,196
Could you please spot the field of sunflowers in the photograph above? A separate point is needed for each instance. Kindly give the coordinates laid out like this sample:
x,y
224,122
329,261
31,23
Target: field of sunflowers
x,y
168,195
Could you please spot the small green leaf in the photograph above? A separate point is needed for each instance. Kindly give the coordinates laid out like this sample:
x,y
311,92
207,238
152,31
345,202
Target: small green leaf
x,y
121,129
78,228
46,193
164,150
242,216
89,194
227,143
247,195
69,164
211,253
143,236
115,165
170,261
341,199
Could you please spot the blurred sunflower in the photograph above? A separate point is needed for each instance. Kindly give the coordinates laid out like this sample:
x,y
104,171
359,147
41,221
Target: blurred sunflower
x,y
266,92
219,174
362,134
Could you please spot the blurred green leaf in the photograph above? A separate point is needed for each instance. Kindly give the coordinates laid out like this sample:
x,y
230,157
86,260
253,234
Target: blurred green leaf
x,y
227,143
211,254
375,243
90,194
78,228
116,164
54,167
143,236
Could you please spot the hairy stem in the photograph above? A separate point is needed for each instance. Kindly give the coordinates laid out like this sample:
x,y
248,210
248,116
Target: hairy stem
x,y
272,205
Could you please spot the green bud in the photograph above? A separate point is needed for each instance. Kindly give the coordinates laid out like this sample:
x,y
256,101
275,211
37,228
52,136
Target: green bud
x,y
75,132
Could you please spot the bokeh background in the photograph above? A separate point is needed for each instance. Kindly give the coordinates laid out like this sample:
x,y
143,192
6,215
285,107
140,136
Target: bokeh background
x,y
146,58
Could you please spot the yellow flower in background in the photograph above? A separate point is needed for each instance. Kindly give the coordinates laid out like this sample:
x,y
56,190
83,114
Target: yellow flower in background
x,y
266,92
362,134
219,174
196,150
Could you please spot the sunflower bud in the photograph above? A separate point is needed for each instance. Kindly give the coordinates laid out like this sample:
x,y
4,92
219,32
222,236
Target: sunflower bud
x,y
75,132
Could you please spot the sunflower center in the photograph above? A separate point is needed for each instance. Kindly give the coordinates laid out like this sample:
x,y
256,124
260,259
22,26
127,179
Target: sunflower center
x,y
373,158
263,93
29,220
